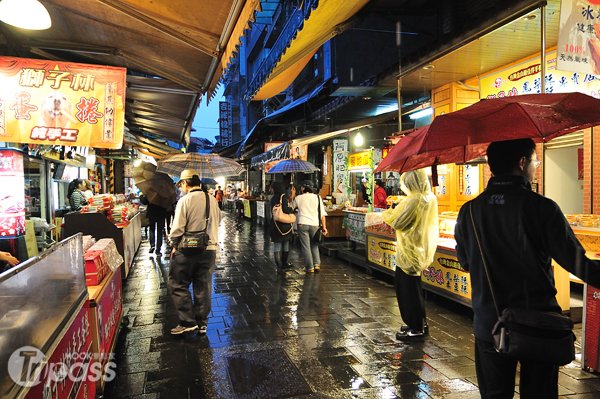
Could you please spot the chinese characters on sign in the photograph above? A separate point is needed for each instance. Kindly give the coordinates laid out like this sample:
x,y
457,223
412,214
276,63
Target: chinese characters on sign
x,y
579,37
524,78
382,252
359,160
340,158
225,124
468,180
58,103
447,274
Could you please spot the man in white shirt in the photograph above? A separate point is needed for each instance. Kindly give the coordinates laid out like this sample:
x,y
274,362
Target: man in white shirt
x,y
308,205
192,266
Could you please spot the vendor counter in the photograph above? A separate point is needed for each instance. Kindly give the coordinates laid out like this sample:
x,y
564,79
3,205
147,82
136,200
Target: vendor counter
x,y
44,308
446,277
335,224
97,225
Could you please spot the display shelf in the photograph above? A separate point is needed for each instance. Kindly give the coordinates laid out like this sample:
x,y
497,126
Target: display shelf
x,y
97,225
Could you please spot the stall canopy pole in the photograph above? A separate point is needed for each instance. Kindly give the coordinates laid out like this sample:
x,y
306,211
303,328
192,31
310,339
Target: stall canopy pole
x,y
399,82
543,44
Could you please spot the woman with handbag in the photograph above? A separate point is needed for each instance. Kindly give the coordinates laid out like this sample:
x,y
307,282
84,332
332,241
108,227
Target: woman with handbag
x,y
281,226
311,220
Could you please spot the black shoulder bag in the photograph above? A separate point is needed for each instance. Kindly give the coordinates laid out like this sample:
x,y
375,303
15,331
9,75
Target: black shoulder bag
x,y
195,242
318,237
524,334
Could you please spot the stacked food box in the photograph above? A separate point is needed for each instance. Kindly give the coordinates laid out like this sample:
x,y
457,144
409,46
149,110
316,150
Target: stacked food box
x,y
117,209
100,259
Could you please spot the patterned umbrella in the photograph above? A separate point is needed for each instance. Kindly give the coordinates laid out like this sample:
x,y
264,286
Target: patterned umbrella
x,y
293,166
207,165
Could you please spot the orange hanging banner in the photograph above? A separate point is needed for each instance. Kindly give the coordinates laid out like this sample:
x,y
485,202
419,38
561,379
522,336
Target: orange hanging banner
x,y
60,103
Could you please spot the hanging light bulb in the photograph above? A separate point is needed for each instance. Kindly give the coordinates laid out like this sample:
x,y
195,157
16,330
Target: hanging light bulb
x,y
358,140
26,14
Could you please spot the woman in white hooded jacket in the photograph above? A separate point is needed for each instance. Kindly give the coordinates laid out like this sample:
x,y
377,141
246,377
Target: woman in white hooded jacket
x,y
415,220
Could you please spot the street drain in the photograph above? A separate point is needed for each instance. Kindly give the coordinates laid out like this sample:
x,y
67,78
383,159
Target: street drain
x,y
268,374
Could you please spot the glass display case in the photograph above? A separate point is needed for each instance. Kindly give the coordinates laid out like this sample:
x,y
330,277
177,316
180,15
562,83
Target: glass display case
x,y
38,300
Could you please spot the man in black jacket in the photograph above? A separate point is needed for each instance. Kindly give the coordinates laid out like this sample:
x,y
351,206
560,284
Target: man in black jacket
x,y
520,233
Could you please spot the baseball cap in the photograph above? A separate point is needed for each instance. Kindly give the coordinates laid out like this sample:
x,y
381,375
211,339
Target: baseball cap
x,y
307,184
187,174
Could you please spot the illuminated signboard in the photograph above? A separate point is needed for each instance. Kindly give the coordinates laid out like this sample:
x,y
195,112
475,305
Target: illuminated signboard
x,y
59,103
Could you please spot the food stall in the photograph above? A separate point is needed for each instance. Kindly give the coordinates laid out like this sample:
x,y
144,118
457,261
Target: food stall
x,y
44,312
104,221
457,184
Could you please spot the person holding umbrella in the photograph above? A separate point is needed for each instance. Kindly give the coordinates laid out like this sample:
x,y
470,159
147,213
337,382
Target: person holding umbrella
x,y
520,232
192,266
157,216
281,233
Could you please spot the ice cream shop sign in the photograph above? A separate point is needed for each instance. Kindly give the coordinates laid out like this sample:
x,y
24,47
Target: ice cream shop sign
x,y
12,197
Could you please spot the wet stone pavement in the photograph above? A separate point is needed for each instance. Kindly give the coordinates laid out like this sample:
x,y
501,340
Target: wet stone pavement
x,y
330,334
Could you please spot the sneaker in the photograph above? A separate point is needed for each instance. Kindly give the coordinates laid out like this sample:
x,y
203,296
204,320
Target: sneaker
x,y
425,328
309,270
202,330
317,267
158,253
181,329
410,335
151,250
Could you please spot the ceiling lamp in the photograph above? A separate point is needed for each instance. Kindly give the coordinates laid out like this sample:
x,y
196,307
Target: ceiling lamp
x,y
26,14
358,139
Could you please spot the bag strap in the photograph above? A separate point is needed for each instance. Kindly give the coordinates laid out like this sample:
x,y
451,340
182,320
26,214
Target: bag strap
x,y
487,273
319,208
292,226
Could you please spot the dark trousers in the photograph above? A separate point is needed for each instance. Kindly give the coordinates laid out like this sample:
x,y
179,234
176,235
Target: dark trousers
x,y
496,375
196,270
410,299
157,227
220,205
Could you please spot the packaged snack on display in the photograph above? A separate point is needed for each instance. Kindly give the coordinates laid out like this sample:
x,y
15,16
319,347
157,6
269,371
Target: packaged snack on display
x,y
109,249
95,267
88,241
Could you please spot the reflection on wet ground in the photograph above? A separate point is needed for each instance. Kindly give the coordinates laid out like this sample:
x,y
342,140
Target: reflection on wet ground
x,y
328,334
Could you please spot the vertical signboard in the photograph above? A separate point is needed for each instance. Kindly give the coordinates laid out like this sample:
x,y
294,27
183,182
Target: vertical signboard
x,y
60,103
579,37
340,161
225,124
